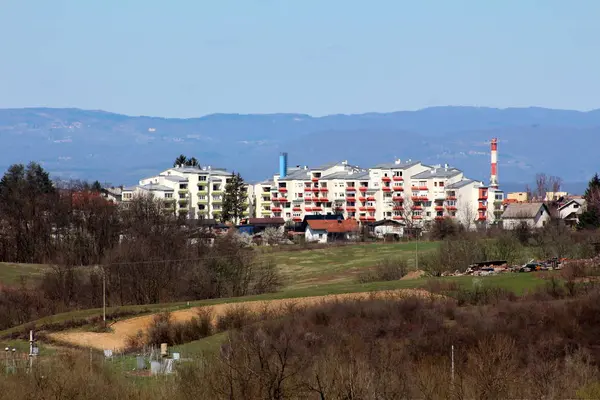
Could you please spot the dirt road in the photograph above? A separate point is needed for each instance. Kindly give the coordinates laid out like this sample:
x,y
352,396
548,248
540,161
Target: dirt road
x,y
122,330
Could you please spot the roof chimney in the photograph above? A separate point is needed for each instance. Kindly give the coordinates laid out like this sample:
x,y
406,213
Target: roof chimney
x,y
398,161
494,164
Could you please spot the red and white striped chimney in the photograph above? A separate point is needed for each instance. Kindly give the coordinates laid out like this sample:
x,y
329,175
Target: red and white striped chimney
x,y
494,173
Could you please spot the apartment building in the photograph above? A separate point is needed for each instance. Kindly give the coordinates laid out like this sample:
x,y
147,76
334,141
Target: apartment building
x,y
193,191
407,191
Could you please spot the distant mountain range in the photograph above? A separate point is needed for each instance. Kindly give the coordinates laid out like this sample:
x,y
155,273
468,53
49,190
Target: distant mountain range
x,y
120,149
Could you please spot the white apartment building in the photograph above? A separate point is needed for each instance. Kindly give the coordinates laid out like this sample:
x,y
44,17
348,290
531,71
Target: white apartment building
x,y
407,191
194,191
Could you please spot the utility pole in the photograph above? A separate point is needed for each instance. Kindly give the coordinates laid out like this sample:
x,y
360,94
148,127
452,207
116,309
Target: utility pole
x,y
104,297
417,249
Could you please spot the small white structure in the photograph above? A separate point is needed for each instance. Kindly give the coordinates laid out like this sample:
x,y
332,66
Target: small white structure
x,y
323,231
571,210
535,215
387,227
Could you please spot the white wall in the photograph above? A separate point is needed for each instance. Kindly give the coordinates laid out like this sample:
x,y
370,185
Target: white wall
x,y
381,231
538,222
311,235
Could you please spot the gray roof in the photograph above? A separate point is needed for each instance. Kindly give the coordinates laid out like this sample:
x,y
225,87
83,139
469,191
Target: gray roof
x,y
523,210
334,164
581,202
460,184
437,173
401,165
347,175
297,174
174,178
130,188
152,187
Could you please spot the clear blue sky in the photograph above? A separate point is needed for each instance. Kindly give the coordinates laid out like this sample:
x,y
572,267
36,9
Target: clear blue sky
x,y
186,58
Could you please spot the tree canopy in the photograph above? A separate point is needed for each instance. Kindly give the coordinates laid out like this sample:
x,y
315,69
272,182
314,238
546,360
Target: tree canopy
x,y
590,218
234,200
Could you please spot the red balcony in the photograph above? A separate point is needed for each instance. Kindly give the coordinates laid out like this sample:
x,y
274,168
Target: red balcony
x,y
317,208
314,198
307,189
417,217
350,189
424,198
423,188
398,189
362,208
351,209
324,200
386,189
371,218
297,219
308,209
386,179
439,208
315,179
481,218
439,218
398,217
371,198
453,208
363,189
296,209
362,198
416,198
414,188
482,207
398,179
397,198
276,209
370,208
351,199
417,207
362,218
282,190
450,197
323,189
398,208
315,189
482,197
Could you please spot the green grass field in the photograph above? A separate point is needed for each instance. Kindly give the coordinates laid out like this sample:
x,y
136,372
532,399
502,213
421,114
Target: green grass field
x,y
340,264
11,273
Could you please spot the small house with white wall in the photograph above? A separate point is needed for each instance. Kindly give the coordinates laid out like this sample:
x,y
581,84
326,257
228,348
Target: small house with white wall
x,y
324,231
535,215
571,210
386,227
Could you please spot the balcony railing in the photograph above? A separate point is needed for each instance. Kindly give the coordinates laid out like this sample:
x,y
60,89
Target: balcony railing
x,y
350,189
398,217
398,178
386,179
283,190
398,188
363,188
386,189
397,198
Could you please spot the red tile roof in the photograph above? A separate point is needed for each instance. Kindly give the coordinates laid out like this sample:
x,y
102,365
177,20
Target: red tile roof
x,y
333,226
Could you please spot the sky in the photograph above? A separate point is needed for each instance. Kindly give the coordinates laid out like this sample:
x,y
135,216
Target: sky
x,y
188,58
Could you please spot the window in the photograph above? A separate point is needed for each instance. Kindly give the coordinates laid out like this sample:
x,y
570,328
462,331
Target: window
x,y
168,195
435,184
320,236
216,207
428,213
182,196
575,205
288,215
202,178
215,187
441,184
388,214
216,198
201,197
127,195
183,186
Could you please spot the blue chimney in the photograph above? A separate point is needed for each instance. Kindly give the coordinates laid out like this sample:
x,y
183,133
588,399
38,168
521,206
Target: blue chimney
x,y
282,165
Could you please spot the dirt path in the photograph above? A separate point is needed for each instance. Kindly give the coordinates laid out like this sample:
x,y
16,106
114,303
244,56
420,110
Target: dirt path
x,y
122,330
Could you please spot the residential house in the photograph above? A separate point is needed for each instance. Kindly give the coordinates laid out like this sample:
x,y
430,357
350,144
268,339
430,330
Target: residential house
x,y
324,231
571,210
386,227
535,215
260,224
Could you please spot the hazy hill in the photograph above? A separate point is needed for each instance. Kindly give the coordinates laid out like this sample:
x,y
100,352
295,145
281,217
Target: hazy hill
x,y
121,149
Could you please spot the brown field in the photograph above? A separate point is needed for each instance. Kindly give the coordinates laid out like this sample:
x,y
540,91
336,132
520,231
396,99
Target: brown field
x,y
122,330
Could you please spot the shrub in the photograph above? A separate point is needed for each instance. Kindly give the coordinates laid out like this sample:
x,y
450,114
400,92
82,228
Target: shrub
x,y
385,270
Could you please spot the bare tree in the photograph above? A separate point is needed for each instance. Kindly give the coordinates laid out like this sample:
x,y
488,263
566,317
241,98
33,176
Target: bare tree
x,y
466,214
541,186
555,183
529,193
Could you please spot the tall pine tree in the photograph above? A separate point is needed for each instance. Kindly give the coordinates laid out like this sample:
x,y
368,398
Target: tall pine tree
x,y
234,199
590,218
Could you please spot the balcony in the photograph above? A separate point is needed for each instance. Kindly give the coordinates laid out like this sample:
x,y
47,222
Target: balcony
x,y
398,179
276,209
482,207
397,198
482,197
398,217
386,179
317,209
182,210
362,208
417,217
451,208
423,198
416,198
481,218
350,189
308,189
351,199
371,218
398,188
324,200
315,199
315,190
439,218
315,179
386,189
297,209
351,209
362,218
439,208
371,208
323,189
414,188
363,188
397,208
362,198
370,198
308,209
297,219
452,198
182,202
266,212
283,190
417,207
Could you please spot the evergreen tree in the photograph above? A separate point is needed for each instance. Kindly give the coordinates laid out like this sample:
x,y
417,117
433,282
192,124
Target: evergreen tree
x,y
234,199
192,162
590,218
180,161
96,187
